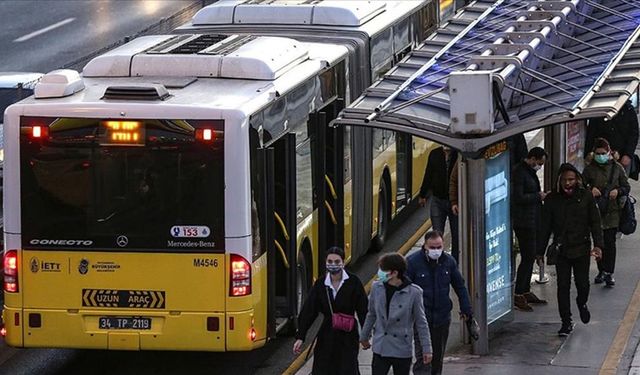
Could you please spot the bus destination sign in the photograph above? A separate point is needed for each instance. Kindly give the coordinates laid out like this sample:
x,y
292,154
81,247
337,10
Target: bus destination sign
x,y
122,133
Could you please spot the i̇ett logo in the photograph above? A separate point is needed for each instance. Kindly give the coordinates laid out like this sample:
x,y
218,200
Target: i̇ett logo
x,y
35,265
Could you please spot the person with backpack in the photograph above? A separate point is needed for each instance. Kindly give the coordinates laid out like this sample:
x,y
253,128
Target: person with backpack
x,y
607,181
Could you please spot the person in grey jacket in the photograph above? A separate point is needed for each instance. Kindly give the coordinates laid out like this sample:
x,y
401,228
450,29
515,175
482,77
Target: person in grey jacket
x,y
395,307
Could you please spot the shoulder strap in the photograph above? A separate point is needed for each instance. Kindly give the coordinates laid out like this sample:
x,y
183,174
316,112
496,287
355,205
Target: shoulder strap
x,y
614,165
329,300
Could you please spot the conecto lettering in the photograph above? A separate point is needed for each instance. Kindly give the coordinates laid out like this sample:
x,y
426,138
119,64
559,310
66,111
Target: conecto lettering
x,y
61,242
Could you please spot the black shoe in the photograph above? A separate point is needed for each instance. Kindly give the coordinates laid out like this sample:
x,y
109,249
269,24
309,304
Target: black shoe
x,y
532,298
599,279
585,315
565,330
609,280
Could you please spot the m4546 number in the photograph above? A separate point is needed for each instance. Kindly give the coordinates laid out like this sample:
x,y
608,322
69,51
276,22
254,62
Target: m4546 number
x,y
205,262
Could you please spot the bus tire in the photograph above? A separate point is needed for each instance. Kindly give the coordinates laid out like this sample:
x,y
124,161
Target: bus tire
x,y
303,284
383,217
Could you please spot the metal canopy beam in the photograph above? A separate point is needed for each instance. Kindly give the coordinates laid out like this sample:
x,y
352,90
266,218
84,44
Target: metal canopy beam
x,y
550,61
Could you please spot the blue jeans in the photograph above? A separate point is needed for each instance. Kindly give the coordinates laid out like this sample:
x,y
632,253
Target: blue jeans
x,y
440,211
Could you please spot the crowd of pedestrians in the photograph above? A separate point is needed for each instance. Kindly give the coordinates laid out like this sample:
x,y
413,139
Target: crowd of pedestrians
x,y
408,311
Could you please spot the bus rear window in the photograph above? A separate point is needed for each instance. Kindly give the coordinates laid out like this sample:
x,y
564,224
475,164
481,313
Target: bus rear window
x,y
90,183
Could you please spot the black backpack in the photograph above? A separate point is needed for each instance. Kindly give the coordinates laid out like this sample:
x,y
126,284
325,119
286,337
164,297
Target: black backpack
x,y
628,217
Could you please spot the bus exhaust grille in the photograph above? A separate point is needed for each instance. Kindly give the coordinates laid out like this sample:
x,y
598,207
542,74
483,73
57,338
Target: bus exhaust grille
x,y
151,92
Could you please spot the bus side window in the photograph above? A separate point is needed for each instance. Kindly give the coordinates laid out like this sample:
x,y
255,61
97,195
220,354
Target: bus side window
x,y
381,47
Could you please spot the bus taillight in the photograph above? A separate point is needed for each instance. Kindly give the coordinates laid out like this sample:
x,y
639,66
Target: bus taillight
x,y
240,276
11,271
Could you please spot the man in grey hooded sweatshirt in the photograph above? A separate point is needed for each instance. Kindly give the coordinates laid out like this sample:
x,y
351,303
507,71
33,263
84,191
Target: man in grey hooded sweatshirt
x,y
395,307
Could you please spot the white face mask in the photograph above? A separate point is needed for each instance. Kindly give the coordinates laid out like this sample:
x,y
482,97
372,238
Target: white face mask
x,y
537,167
434,253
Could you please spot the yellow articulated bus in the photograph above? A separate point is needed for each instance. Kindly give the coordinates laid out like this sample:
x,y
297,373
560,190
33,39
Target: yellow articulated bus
x,y
176,196
378,34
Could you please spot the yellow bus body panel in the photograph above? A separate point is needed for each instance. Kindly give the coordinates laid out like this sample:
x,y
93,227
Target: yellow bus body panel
x,y
67,288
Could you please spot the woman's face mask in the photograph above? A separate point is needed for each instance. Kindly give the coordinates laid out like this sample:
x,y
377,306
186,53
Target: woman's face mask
x,y
334,268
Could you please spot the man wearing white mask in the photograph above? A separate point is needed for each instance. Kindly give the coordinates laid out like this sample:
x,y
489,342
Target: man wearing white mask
x,y
526,212
435,271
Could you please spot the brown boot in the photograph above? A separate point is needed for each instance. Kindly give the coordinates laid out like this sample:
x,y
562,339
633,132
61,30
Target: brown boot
x,y
532,298
520,303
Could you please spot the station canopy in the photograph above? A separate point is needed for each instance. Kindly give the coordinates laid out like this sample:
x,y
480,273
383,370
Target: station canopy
x,y
500,68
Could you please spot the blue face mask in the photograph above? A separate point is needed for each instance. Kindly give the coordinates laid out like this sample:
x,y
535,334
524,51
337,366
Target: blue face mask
x,y
383,276
602,159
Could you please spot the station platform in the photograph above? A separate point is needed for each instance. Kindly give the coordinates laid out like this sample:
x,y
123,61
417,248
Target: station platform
x,y
530,344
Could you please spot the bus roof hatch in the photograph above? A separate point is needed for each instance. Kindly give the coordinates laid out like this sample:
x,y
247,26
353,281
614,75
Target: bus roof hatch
x,y
200,55
299,12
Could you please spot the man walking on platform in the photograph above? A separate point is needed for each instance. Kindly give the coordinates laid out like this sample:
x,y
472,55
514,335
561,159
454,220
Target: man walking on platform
x,y
526,211
441,162
434,271
571,214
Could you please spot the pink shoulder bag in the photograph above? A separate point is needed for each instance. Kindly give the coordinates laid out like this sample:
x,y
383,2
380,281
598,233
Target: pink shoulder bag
x,y
340,321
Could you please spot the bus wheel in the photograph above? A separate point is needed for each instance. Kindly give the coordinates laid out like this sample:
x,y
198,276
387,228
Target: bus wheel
x,y
383,217
302,281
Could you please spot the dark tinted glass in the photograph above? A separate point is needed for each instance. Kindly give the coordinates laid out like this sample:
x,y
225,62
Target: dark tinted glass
x,y
165,195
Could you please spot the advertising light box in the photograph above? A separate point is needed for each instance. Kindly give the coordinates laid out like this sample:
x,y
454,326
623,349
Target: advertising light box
x,y
498,236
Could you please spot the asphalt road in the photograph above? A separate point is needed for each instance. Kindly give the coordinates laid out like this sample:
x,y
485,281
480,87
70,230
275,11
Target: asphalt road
x,y
43,35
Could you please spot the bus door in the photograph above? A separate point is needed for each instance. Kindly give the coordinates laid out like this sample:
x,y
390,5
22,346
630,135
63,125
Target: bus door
x,y
404,156
282,269
328,165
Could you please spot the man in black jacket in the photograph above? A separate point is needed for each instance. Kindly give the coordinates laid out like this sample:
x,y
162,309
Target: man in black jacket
x,y
621,132
571,214
441,162
525,213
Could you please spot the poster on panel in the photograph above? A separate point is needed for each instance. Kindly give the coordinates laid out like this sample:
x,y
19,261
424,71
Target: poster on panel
x,y
498,236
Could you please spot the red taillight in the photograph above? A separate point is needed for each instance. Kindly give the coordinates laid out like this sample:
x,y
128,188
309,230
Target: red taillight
x,y
11,271
38,131
240,276
205,134
252,334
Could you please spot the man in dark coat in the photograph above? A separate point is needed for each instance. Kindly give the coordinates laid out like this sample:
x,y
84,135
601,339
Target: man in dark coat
x,y
441,163
435,271
571,215
526,207
621,132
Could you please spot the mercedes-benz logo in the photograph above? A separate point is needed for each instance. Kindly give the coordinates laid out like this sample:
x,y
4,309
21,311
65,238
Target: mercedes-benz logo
x,y
122,241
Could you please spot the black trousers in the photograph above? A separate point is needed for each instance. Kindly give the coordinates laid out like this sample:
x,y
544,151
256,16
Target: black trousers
x,y
439,337
381,365
608,261
527,242
580,268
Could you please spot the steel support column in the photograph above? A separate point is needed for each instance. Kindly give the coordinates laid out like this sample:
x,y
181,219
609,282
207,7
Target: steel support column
x,y
471,196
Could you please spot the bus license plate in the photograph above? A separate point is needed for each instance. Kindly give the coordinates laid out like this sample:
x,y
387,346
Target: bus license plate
x,y
124,323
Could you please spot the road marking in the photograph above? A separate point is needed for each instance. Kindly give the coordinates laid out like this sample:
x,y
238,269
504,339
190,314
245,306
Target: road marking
x,y
301,359
619,344
44,30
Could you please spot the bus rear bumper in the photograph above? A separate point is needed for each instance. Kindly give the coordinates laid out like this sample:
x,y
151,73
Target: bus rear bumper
x,y
189,331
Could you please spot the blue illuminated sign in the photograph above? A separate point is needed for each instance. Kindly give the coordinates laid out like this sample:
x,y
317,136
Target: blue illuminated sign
x,y
498,236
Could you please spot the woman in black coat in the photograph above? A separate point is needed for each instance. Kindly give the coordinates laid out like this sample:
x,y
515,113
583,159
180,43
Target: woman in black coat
x,y
336,351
